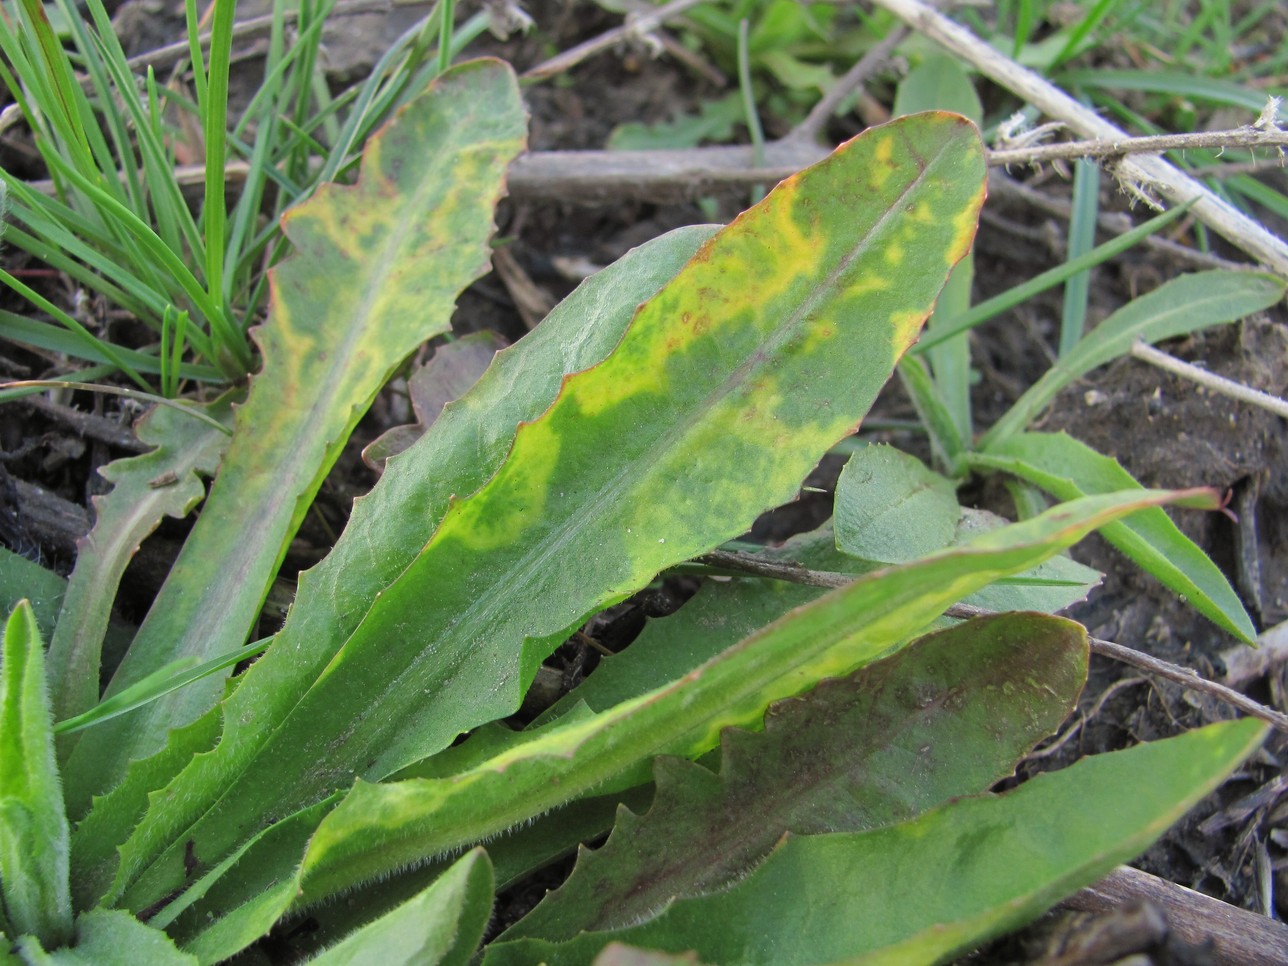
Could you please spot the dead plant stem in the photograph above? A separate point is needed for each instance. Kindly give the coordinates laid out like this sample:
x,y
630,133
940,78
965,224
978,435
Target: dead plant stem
x,y
593,177
171,54
1241,137
1209,380
1143,173
637,25
812,127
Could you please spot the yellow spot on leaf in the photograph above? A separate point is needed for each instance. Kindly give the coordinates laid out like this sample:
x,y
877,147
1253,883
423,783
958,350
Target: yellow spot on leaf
x,y
884,152
964,229
904,327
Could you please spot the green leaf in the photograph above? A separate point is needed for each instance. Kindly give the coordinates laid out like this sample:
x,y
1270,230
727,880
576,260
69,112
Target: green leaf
x,y
938,83
949,715
1082,238
795,73
376,272
21,578
110,937
462,449
43,335
891,508
1050,587
718,616
442,925
768,347
945,882
1179,306
164,482
1068,469
158,684
1169,83
33,822
99,835
947,445
380,825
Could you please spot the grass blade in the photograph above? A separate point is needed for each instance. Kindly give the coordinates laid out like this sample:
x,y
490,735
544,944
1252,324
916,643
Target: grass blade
x,y
1082,237
1180,306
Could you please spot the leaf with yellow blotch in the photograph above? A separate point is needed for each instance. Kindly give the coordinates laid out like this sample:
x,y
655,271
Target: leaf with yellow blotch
x,y
765,349
376,271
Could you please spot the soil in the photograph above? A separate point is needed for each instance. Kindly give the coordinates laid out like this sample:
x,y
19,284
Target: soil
x,y
1165,431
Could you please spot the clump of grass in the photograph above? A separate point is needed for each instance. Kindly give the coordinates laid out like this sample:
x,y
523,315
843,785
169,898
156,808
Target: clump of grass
x,y
116,217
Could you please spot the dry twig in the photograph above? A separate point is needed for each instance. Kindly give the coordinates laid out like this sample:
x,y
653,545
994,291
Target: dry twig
x,y
811,128
1241,137
637,26
1145,171
595,177
1235,936
1210,380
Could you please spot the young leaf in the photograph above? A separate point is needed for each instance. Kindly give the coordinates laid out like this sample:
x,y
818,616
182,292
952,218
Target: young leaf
x,y
943,883
767,347
891,508
1179,306
442,925
949,715
33,822
376,272
1068,469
